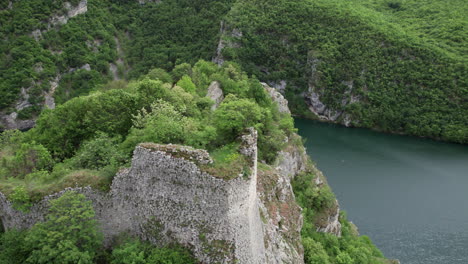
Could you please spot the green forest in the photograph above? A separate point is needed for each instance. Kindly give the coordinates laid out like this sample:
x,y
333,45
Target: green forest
x,y
406,60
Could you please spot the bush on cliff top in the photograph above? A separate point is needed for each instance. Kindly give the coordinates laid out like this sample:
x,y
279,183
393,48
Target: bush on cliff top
x,y
85,140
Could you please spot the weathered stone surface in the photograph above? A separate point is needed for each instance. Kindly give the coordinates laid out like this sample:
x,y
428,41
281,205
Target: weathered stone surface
x,y
142,2
49,95
226,32
282,218
165,197
72,11
332,225
11,121
277,97
216,94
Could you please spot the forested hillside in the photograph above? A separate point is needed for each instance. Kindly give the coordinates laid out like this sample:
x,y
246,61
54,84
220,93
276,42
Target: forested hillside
x,y
85,141
48,59
396,66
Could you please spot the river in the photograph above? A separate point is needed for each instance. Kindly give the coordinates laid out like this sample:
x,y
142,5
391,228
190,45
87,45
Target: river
x,y
409,195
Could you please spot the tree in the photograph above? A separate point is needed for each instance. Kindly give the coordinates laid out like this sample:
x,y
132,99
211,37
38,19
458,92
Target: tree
x,y
234,115
314,253
160,74
12,249
187,84
68,235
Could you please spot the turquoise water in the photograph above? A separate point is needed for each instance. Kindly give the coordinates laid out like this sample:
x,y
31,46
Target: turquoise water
x,y
409,195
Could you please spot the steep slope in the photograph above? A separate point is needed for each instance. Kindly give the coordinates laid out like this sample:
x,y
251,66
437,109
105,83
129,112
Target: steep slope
x,y
236,203
395,66
54,51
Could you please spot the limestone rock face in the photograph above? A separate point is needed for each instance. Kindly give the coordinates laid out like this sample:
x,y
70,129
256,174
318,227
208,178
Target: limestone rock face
x,y
226,32
277,97
332,225
72,11
216,94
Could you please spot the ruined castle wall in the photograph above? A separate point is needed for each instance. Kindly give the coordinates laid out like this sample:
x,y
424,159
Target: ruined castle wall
x,y
164,198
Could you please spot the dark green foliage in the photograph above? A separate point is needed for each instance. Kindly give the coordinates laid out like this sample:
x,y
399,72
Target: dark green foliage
x,y
63,129
68,235
136,252
80,82
408,67
12,248
26,62
171,32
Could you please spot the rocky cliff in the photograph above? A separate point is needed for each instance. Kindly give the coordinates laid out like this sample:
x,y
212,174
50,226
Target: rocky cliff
x,y
166,196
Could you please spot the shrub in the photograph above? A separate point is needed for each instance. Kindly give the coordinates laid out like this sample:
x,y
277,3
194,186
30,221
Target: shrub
x,y
20,199
99,152
12,248
160,74
68,235
187,84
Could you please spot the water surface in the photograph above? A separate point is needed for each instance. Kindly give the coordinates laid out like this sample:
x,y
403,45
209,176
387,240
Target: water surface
x,y
409,195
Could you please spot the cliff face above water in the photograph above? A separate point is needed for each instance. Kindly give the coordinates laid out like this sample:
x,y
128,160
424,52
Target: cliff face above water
x,y
165,197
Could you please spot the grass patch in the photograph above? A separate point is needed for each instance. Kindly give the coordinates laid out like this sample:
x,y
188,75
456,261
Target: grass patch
x,y
228,163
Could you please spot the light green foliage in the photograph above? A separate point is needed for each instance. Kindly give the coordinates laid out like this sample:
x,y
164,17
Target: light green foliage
x,y
160,74
68,235
187,84
132,252
98,152
163,124
344,258
234,115
228,163
314,252
19,159
20,199
90,137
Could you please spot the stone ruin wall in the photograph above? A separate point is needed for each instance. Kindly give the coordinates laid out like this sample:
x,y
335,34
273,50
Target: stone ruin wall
x,y
164,198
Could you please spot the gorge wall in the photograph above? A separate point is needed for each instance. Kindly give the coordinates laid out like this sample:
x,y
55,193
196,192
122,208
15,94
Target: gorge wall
x,y
165,197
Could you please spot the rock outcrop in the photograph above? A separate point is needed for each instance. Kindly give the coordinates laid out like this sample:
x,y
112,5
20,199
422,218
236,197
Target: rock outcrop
x,y
216,94
61,19
9,119
277,97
